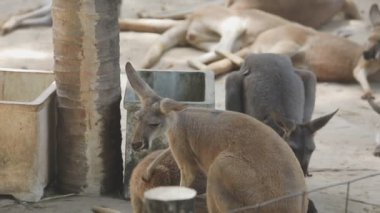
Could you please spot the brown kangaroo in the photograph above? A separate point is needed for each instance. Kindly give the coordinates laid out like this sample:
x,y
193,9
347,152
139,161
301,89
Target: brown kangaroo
x,y
214,27
210,28
311,13
330,57
245,161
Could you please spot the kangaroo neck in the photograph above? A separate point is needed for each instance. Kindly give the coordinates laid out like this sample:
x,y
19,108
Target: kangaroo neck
x,y
197,136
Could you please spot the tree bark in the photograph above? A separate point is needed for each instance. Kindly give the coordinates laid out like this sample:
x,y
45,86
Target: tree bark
x,y
87,72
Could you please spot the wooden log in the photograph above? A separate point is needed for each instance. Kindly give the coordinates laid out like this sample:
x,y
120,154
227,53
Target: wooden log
x,y
170,199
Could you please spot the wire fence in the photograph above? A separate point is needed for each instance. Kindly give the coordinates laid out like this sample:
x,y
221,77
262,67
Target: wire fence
x,y
257,207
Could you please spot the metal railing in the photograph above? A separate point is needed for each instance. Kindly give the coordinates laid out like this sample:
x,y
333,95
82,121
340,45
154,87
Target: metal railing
x,y
258,206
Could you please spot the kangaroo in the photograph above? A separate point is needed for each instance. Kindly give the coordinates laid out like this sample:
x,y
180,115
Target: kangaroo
x,y
376,108
245,161
330,57
313,13
166,173
210,28
268,88
40,16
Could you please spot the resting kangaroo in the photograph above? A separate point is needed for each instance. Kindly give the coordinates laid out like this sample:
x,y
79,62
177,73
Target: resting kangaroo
x,y
376,108
41,16
308,12
166,173
213,27
311,13
210,28
268,88
245,161
330,57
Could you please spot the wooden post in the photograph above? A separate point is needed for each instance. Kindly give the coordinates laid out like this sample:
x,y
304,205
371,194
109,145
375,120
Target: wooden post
x,y
170,199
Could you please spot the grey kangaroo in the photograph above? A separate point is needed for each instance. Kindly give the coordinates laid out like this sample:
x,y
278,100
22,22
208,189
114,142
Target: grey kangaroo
x,y
268,88
245,161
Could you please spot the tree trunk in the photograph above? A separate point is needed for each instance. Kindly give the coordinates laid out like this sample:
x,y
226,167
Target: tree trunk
x,y
86,54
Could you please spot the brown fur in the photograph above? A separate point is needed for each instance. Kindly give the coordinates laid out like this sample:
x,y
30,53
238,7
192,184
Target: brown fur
x,y
166,173
330,57
244,160
307,12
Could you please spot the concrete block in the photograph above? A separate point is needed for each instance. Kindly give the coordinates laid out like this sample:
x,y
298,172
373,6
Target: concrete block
x,y
27,132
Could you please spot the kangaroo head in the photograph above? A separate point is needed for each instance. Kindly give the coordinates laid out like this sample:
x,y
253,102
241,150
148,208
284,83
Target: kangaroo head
x,y
300,137
151,119
373,50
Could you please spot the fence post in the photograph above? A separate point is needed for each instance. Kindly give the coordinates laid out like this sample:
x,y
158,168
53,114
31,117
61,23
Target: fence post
x,y
347,196
169,199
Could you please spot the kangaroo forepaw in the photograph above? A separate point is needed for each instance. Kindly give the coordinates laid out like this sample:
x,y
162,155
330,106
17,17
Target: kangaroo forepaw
x,y
368,96
147,176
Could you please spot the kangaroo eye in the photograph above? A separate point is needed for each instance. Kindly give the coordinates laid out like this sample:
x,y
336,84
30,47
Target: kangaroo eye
x,y
154,124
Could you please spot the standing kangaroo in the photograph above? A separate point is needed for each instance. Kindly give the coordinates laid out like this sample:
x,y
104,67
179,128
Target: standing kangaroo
x,y
268,88
330,57
245,161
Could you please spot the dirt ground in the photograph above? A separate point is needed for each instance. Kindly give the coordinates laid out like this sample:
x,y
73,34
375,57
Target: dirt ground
x,y
344,146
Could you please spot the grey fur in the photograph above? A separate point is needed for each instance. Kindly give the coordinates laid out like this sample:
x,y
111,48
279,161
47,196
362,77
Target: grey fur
x,y
268,88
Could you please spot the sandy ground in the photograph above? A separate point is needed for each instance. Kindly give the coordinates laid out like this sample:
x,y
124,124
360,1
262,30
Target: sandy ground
x,y
344,146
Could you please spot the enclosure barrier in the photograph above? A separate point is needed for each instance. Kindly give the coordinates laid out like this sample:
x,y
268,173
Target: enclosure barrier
x,y
258,206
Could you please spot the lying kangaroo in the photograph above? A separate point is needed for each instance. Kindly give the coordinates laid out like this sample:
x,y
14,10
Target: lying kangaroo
x,y
165,173
376,108
268,88
311,13
41,16
213,27
330,57
245,161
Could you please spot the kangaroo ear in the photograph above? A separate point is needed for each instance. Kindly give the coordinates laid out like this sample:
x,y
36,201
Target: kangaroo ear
x,y
286,125
167,105
141,88
320,122
374,15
